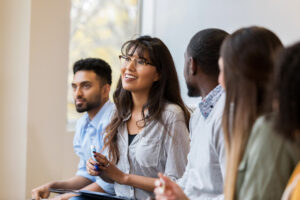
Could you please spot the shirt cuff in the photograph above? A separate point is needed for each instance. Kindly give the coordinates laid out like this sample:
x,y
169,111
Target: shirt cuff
x,y
107,187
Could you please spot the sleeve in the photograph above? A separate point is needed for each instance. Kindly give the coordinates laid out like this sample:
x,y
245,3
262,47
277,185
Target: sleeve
x,y
81,169
265,167
177,146
182,181
107,187
219,145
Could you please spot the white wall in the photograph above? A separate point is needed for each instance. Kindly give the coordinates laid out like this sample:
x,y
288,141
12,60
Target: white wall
x,y
49,145
35,146
176,21
14,65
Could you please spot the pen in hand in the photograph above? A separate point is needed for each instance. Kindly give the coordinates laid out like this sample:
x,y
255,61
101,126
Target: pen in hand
x,y
93,150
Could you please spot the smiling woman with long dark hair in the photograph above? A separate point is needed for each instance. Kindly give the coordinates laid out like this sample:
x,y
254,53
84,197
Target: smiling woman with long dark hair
x,y
148,132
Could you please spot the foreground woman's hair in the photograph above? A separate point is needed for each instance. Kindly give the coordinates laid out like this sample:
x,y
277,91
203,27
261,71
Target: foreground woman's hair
x,y
248,56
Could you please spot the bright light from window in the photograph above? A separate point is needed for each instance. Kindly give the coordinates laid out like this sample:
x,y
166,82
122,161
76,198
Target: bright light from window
x,y
98,29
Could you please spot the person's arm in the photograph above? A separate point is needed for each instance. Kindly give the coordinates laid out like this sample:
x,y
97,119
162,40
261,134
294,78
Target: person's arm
x,y
91,187
76,182
111,173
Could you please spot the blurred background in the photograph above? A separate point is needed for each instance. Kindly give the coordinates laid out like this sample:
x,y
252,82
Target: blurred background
x,y
41,39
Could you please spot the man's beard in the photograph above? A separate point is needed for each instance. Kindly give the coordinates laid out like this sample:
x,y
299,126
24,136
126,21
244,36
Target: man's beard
x,y
87,107
192,91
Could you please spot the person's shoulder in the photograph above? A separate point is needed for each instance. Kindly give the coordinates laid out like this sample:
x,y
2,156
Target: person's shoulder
x,y
264,124
110,109
110,104
82,119
172,108
172,112
263,134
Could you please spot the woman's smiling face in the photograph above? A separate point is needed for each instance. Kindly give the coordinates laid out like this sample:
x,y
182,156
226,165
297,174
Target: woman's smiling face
x,y
138,77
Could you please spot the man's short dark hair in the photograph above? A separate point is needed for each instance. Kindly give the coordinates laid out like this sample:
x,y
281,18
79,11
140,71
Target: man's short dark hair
x,y
204,48
97,65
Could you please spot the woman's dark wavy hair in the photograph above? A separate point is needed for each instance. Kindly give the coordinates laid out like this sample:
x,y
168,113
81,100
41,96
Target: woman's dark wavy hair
x,y
166,89
287,95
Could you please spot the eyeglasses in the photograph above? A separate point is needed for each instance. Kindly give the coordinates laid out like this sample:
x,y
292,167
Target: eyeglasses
x,y
138,62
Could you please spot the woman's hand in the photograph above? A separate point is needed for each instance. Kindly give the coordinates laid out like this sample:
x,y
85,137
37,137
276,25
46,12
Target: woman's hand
x,y
165,189
109,170
90,167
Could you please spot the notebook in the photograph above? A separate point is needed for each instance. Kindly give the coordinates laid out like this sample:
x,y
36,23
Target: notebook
x,y
92,195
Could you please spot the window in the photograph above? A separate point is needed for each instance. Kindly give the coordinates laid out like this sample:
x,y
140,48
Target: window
x,y
98,29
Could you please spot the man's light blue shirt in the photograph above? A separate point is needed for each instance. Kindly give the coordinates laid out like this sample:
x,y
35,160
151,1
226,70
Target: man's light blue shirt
x,y
90,132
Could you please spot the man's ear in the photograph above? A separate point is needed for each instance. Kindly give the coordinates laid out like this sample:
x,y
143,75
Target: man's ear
x,y
105,90
192,66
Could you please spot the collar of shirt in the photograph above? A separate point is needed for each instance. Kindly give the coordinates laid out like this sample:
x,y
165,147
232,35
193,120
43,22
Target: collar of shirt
x,y
207,104
96,120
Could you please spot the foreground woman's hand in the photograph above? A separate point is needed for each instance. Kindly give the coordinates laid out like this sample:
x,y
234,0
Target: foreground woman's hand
x,y
90,167
107,169
166,189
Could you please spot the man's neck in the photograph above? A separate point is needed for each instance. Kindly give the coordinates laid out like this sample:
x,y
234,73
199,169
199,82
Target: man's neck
x,y
92,113
206,88
206,84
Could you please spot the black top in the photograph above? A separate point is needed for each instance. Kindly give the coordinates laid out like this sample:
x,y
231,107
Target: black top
x,y
130,138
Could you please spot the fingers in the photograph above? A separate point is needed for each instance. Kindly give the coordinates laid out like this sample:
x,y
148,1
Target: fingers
x,y
91,161
157,183
167,195
166,182
39,192
100,158
171,190
164,189
91,168
93,172
103,168
99,155
158,191
90,164
35,196
164,178
103,163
